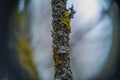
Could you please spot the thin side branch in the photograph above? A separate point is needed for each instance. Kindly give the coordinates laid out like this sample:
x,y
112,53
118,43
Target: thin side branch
x,y
60,33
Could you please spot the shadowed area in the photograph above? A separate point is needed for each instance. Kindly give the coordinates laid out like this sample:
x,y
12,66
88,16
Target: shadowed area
x,y
10,68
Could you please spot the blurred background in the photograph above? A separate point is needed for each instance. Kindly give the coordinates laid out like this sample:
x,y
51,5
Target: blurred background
x,y
26,42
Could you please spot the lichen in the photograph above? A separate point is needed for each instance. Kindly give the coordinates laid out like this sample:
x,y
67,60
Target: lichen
x,y
60,33
26,57
57,59
66,21
22,46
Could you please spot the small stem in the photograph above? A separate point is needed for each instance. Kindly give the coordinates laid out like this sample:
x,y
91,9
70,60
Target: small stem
x,y
60,34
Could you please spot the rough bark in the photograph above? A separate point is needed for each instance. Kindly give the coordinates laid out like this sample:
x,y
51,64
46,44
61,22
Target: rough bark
x,y
60,34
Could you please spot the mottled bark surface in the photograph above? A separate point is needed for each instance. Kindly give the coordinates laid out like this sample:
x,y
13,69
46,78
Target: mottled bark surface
x,y
60,34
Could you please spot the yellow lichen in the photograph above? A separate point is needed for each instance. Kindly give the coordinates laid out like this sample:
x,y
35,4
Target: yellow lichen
x,y
66,21
23,47
25,55
57,59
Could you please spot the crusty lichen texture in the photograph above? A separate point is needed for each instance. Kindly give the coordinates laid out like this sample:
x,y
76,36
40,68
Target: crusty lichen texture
x,y
66,21
60,33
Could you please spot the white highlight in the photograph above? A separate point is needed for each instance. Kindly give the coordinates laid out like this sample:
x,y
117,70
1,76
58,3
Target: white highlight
x,y
21,5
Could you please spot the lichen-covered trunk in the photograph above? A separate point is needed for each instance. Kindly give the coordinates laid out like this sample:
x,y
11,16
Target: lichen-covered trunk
x,y
20,42
60,34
